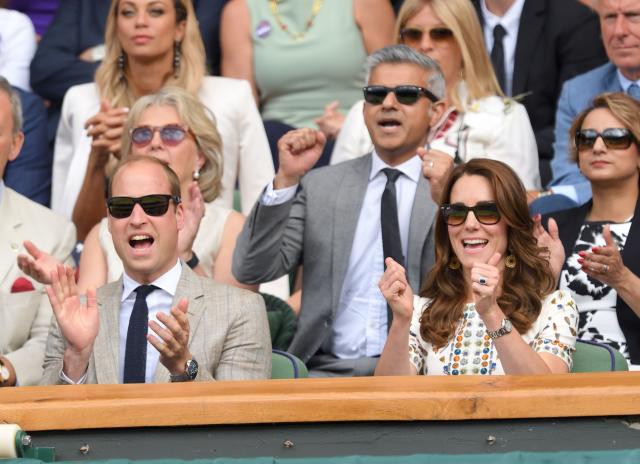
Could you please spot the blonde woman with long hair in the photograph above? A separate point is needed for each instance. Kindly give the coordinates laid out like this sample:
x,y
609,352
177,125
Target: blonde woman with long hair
x,y
479,121
150,44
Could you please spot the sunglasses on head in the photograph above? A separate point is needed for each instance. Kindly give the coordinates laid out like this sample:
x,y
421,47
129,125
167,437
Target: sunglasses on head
x,y
171,134
486,213
152,205
405,94
617,138
413,35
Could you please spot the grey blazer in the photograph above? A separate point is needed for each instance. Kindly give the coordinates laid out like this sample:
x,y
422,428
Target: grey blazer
x,y
317,229
229,334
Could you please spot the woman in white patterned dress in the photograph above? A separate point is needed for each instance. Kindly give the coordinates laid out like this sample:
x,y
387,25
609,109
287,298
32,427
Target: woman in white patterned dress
x,y
488,305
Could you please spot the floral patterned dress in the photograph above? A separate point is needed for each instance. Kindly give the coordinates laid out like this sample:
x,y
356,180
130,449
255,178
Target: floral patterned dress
x,y
472,352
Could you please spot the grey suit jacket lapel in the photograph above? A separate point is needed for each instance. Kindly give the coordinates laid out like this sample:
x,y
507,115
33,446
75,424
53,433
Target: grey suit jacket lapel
x,y
349,198
422,217
189,288
106,350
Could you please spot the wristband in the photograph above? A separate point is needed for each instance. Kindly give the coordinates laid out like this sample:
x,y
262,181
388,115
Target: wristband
x,y
194,261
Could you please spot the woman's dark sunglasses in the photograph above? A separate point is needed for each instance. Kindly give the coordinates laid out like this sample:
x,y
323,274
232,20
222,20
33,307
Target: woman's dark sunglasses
x,y
413,35
616,138
485,212
153,205
171,134
405,94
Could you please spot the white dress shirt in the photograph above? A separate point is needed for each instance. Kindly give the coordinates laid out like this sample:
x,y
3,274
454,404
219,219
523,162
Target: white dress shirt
x,y
626,83
159,300
360,327
511,23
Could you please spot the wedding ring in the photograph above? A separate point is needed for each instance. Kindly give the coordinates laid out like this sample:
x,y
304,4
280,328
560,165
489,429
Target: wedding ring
x,y
482,280
606,268
431,163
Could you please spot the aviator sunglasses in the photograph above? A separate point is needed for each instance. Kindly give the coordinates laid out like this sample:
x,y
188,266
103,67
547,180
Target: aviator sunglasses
x,y
486,213
405,94
413,35
616,138
171,134
152,205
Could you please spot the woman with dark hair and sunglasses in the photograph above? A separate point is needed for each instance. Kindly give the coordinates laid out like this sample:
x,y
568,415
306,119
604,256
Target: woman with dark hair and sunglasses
x,y
479,121
601,239
488,305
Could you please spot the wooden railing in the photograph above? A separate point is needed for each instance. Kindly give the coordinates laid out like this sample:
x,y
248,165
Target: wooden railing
x,y
321,400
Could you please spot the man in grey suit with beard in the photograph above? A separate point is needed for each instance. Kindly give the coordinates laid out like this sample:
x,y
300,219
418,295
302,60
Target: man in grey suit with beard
x,y
340,222
199,329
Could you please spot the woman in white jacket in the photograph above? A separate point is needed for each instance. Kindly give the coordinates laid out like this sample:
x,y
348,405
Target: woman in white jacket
x,y
479,121
148,46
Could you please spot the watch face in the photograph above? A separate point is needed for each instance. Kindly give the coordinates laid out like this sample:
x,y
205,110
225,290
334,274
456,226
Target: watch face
x,y
192,369
4,373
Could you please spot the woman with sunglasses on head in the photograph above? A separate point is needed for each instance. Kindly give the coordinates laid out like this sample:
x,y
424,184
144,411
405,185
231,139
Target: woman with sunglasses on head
x,y
488,305
173,126
479,120
150,44
601,239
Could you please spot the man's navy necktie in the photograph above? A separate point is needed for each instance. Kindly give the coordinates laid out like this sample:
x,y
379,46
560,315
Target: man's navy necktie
x,y
497,56
391,243
135,357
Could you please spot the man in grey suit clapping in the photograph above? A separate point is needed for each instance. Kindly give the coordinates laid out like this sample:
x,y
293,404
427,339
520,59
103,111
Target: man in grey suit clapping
x,y
160,322
341,221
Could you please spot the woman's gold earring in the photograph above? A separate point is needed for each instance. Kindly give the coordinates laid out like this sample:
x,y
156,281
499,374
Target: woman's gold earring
x,y
454,264
510,261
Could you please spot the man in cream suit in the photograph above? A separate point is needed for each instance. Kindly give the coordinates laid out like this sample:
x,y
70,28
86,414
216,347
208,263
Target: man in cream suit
x,y
181,327
25,312
332,220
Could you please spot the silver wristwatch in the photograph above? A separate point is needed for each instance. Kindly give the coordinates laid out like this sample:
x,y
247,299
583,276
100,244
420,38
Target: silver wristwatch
x,y
190,372
504,329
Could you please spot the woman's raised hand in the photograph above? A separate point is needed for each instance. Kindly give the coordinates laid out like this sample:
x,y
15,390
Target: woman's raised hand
x,y
485,283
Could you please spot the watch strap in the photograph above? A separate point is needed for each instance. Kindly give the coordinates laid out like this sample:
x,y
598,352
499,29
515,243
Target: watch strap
x,y
504,329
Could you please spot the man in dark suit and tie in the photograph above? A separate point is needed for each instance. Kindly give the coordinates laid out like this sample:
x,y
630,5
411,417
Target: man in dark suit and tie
x,y
159,322
341,221
536,45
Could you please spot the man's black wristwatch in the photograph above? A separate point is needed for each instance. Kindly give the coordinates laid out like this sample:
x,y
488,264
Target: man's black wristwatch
x,y
190,372
194,261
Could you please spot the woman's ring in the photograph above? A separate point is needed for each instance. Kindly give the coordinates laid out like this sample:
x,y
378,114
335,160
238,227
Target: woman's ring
x,y
431,163
606,268
482,280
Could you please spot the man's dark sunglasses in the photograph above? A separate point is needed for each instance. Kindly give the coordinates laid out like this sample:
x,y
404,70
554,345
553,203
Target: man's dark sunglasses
x,y
153,205
405,94
617,138
171,134
413,35
486,213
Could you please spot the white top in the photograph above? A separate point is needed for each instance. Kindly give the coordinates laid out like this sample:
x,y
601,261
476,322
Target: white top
x,y
247,157
491,127
159,300
472,352
511,23
17,47
206,244
596,301
360,327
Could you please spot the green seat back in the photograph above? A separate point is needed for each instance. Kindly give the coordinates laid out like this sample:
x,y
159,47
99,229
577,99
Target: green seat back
x,y
286,366
597,357
282,321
